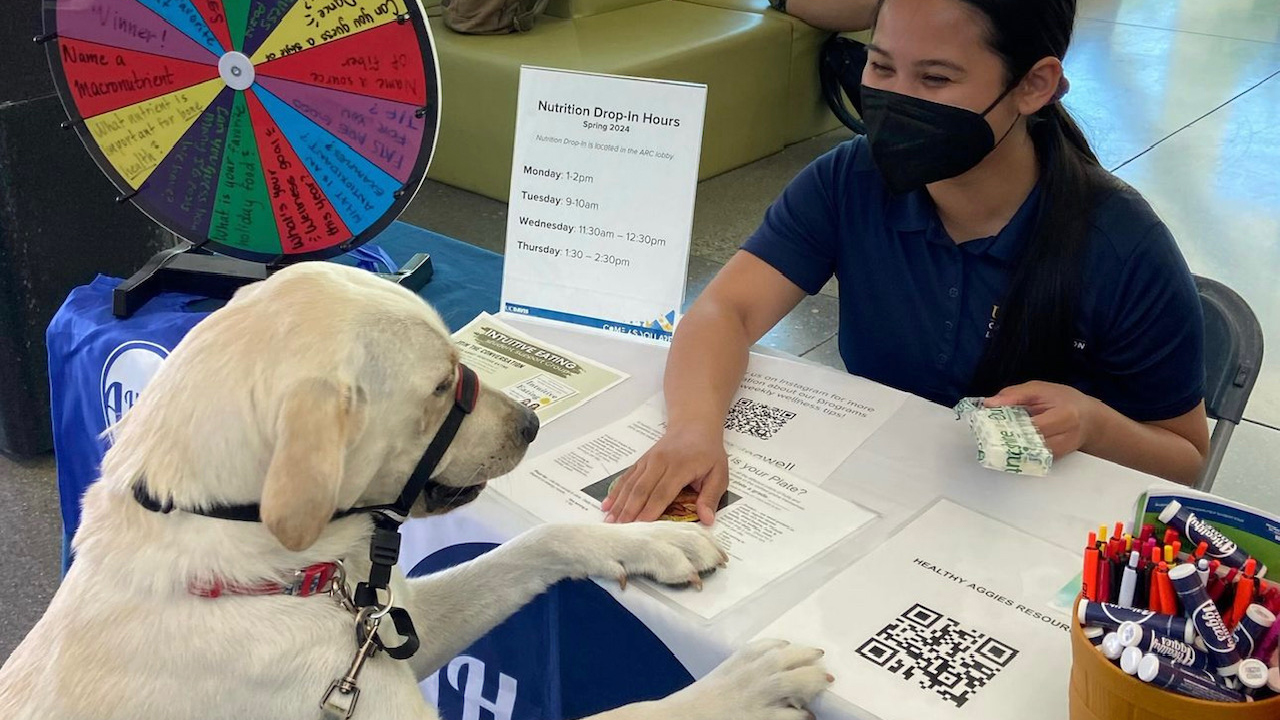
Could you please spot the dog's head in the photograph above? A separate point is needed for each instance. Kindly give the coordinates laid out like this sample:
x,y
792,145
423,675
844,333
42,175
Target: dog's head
x,y
317,389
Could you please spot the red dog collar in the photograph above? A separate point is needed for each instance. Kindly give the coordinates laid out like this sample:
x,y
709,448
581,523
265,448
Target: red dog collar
x,y
314,580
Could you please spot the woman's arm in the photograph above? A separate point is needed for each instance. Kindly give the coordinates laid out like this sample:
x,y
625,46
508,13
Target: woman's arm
x,y
834,15
1173,449
707,361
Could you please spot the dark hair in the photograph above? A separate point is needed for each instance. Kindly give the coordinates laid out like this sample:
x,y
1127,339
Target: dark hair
x,y
1036,321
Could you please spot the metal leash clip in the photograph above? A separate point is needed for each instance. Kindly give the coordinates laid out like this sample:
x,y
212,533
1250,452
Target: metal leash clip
x,y
340,592
339,701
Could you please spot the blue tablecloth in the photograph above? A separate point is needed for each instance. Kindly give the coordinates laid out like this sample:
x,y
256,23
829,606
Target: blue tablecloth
x,y
575,636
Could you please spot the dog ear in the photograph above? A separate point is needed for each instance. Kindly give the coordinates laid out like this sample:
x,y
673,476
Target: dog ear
x,y
314,424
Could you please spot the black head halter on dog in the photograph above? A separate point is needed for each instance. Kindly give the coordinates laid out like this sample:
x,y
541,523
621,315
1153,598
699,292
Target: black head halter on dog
x,y
384,546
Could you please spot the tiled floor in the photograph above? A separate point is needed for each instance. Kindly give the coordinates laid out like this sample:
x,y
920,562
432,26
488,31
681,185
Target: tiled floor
x,y
1182,97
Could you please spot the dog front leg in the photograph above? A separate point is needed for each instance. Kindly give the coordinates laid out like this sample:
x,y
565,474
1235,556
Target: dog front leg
x,y
457,606
766,680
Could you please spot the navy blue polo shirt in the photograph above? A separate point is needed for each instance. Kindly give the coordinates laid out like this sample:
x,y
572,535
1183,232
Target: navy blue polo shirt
x,y
916,308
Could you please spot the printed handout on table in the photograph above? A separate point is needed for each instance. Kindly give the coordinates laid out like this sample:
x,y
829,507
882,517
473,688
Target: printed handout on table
x,y
805,419
950,614
547,379
769,522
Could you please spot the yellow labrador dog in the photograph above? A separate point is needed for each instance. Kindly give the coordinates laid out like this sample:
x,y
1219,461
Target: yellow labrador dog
x,y
309,394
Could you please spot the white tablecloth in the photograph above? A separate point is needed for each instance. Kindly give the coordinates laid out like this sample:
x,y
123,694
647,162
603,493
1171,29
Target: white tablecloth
x,y
921,454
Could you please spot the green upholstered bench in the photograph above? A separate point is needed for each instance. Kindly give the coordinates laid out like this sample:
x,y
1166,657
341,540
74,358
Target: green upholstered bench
x,y
807,113
743,58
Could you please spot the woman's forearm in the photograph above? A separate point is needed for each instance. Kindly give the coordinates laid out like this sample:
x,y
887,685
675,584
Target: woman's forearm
x,y
707,361
1143,446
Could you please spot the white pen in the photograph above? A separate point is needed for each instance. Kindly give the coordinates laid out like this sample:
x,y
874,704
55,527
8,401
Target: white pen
x,y
1129,581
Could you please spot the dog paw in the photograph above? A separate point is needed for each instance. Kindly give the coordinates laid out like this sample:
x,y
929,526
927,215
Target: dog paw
x,y
671,553
766,680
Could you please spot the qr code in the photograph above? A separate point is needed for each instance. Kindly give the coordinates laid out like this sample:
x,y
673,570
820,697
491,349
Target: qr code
x,y
938,654
756,419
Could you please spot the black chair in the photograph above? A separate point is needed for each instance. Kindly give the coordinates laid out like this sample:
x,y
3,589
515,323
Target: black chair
x,y
1232,361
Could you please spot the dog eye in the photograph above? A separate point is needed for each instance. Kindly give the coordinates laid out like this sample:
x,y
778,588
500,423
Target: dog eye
x,y
443,387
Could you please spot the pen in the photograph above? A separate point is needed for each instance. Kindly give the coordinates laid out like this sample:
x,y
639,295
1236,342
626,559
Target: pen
x,y
1227,600
1155,600
1201,549
1089,576
1129,582
1147,531
1168,605
1141,594
1243,598
1104,576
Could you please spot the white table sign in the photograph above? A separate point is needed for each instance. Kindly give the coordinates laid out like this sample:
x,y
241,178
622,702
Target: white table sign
x,y
603,180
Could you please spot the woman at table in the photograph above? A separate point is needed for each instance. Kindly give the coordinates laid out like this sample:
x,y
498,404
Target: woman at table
x,y
980,249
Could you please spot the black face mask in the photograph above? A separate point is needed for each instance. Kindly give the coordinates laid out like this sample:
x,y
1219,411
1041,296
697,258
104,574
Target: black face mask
x,y
915,142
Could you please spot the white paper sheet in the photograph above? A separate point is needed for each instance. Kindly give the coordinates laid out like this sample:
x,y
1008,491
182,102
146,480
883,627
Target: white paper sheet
x,y
805,419
969,596
603,176
769,522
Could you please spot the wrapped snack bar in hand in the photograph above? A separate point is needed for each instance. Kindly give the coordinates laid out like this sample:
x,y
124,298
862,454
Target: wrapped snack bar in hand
x,y
1007,439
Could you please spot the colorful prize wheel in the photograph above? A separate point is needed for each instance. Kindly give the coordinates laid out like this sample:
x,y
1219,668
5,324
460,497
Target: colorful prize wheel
x,y
267,130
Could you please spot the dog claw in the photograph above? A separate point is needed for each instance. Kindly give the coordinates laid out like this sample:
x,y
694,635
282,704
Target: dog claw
x,y
696,581
724,558
622,581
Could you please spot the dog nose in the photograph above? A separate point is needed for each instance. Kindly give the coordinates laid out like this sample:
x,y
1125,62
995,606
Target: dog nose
x,y
529,425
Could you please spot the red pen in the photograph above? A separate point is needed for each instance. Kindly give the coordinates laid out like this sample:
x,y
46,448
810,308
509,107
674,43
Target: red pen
x,y
1177,548
1168,602
1271,598
1201,549
1119,531
1244,598
1155,602
1089,577
1215,586
1147,531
